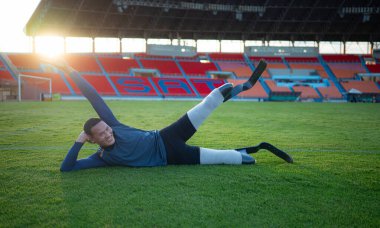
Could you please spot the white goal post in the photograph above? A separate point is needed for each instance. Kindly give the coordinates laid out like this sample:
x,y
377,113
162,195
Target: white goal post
x,y
35,89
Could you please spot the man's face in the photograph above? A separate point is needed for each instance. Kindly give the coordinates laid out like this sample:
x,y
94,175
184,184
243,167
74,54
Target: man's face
x,y
102,134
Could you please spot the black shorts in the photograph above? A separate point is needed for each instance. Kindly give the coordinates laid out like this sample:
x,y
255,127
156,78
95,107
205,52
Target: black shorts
x,y
175,137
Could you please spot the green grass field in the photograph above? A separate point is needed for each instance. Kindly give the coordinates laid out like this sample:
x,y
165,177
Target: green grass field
x,y
334,182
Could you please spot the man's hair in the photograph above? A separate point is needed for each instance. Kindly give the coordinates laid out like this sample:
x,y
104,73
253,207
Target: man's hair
x,y
89,124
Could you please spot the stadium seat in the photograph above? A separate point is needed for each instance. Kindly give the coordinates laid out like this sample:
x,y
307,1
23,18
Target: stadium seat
x,y
148,56
307,63
206,85
274,88
306,92
344,66
25,61
5,75
166,67
362,86
133,86
101,84
197,68
226,56
330,92
241,69
374,68
174,87
118,65
256,92
83,63
272,63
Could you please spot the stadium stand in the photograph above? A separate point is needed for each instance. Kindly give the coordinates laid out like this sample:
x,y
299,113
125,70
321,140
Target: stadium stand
x,y
362,86
118,65
148,56
330,92
374,68
166,67
306,92
174,87
197,68
101,84
256,92
241,69
344,66
133,86
307,63
25,61
206,85
5,75
274,88
83,63
197,83
226,57
272,63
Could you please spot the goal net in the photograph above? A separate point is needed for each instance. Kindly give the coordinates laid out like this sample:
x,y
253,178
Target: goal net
x,y
34,88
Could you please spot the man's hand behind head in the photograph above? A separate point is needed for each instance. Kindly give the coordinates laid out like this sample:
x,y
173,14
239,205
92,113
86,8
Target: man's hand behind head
x,y
83,137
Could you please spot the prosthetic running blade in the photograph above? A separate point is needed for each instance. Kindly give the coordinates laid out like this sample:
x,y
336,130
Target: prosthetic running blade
x,y
264,145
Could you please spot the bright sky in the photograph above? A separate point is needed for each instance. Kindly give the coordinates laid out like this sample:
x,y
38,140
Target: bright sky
x,y
14,14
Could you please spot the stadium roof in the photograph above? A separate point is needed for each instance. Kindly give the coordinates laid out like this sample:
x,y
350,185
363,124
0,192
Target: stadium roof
x,y
319,20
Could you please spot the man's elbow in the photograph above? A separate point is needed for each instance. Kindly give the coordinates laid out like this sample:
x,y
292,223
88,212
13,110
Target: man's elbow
x,y
65,168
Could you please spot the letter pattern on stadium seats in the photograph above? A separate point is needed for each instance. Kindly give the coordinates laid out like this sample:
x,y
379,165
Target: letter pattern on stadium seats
x,y
133,86
205,86
174,87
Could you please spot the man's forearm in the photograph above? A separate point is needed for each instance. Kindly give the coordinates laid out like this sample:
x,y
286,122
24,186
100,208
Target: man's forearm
x,y
71,157
90,93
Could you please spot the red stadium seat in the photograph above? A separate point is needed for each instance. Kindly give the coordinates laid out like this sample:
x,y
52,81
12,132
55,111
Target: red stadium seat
x,y
168,67
118,65
25,61
341,58
83,63
307,63
362,86
148,56
174,87
226,56
241,69
374,68
330,92
256,92
206,85
306,92
197,68
273,62
346,70
101,84
6,75
133,86
274,88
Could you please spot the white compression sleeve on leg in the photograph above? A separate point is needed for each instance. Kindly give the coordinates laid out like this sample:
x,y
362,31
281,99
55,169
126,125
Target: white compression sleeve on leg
x,y
201,111
214,157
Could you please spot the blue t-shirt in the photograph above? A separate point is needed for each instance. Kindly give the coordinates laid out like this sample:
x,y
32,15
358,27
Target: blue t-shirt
x,y
134,147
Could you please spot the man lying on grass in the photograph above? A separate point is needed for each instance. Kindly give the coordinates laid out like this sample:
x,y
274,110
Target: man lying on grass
x,y
122,145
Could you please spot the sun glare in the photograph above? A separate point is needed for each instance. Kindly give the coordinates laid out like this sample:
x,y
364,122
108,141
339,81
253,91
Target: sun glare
x,y
49,46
